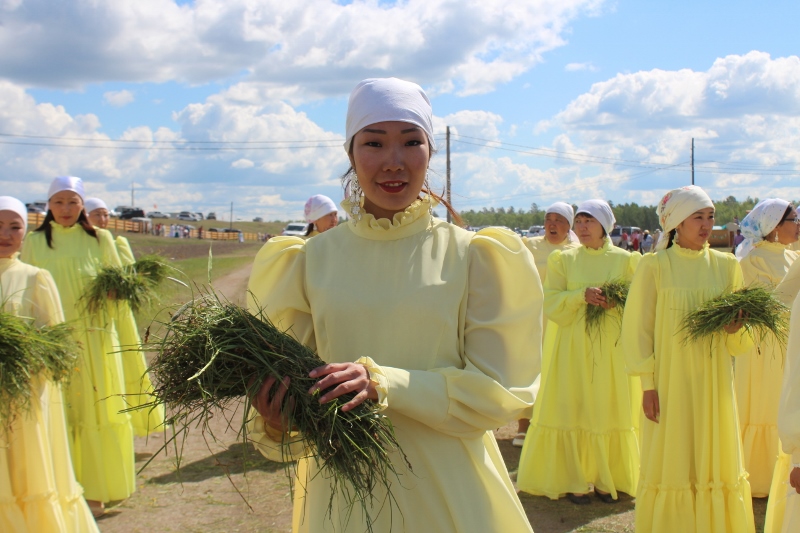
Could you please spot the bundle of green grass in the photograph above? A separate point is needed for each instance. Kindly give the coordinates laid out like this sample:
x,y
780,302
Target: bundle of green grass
x,y
26,352
761,313
134,284
212,354
616,294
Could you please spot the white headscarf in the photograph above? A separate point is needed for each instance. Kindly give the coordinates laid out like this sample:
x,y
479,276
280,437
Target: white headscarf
x,y
565,210
388,99
9,203
759,223
600,210
94,203
66,183
318,206
678,205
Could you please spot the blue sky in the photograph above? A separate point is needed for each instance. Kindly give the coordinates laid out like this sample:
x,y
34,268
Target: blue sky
x,y
615,89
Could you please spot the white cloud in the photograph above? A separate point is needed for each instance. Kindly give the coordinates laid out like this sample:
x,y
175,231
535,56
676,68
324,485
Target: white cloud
x,y
268,149
118,98
319,45
242,163
743,112
578,67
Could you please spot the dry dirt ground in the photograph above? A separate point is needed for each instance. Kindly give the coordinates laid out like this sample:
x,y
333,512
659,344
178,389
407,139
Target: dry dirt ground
x,y
225,486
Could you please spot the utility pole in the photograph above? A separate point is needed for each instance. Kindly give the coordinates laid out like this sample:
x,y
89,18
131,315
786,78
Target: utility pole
x,y
692,160
448,173
231,226
132,204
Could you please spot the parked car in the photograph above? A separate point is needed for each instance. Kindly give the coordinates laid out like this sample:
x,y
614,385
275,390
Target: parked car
x,y
211,216
36,209
157,214
186,215
258,219
198,216
297,229
616,233
132,213
535,231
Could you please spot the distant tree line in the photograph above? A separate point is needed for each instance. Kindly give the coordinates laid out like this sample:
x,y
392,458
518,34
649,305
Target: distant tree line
x,y
629,214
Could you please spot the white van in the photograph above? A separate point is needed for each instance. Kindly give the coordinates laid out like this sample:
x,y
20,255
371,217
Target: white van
x,y
535,231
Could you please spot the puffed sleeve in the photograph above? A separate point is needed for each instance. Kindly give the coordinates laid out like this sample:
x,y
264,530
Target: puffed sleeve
x,y
46,300
560,305
124,251
639,322
789,287
277,285
501,347
789,409
108,249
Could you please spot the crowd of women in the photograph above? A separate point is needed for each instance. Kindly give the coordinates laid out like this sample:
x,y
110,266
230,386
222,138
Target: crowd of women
x,y
452,334
72,451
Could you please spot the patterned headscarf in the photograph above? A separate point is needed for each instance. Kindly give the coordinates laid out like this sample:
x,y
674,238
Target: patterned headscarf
x,y
759,223
678,205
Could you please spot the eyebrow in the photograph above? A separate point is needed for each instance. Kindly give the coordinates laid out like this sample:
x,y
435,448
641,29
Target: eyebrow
x,y
409,130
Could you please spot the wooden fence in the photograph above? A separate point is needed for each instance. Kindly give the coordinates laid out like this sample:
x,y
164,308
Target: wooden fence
x,y
129,226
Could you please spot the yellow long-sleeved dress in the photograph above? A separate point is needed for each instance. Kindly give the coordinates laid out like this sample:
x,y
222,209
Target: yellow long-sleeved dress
x,y
38,490
582,430
780,493
783,511
134,365
692,476
759,373
437,315
101,438
541,249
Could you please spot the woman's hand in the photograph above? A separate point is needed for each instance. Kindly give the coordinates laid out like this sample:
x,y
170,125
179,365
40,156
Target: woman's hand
x,y
270,410
736,325
652,409
344,378
794,479
594,296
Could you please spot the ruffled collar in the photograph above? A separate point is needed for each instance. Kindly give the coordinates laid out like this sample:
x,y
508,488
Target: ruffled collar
x,y
63,229
599,251
687,252
413,219
771,245
8,262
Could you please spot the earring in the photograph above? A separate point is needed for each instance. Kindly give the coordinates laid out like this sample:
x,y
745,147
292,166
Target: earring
x,y
356,198
677,237
430,192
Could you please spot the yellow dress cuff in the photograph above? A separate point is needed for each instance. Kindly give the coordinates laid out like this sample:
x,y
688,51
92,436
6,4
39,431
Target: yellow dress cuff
x,y
648,381
379,378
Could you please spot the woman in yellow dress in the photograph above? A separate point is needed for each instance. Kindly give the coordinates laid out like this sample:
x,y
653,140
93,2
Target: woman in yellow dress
x,y
692,476
786,488
134,365
321,215
583,431
101,438
765,259
38,491
558,235
421,316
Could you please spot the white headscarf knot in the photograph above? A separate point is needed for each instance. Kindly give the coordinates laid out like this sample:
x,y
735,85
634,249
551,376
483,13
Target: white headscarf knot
x,y
678,205
9,203
318,206
600,210
388,99
94,203
66,183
